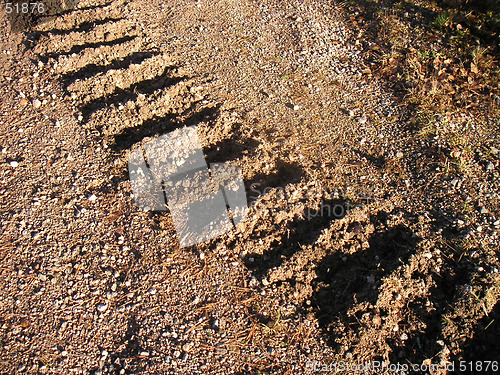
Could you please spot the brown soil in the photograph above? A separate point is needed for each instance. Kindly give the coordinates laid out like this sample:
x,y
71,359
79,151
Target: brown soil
x,y
90,284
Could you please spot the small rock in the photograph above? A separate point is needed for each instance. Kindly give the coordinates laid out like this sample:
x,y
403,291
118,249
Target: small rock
x,y
187,347
92,198
403,337
102,307
296,107
24,102
14,164
362,119
399,155
144,354
80,117
37,103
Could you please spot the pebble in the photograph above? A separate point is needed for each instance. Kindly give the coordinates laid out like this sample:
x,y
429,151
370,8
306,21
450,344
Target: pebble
x,y
399,155
92,198
296,107
362,119
102,307
187,347
14,164
36,103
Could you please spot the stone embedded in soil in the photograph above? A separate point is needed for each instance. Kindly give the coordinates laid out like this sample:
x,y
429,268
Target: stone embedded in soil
x,y
362,119
37,103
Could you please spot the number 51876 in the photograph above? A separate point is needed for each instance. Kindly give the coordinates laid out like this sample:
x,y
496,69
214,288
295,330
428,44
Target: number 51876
x,y
24,8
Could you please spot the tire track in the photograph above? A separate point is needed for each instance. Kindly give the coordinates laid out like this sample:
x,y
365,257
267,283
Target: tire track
x,y
120,83
128,91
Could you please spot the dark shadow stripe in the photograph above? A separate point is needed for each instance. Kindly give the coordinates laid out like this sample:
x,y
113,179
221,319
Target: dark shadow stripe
x,y
146,87
93,69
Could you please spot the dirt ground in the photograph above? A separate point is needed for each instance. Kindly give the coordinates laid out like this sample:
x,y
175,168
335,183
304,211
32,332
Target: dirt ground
x,y
359,246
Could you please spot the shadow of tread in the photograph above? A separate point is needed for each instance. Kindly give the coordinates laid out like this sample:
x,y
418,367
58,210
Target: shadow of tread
x,y
145,87
162,125
93,69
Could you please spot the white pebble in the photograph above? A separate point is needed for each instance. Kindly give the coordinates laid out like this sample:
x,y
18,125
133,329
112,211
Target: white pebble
x,y
14,164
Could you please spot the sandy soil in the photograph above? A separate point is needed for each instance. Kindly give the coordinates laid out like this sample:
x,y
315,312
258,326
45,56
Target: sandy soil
x,y
90,284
